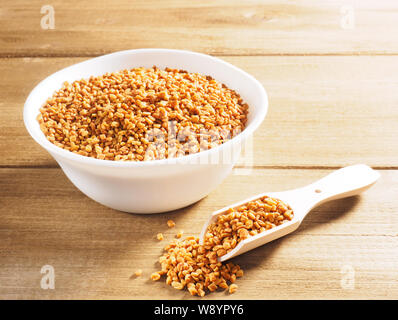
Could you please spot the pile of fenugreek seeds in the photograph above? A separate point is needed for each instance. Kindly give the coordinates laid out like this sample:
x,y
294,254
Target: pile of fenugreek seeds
x,y
188,264
142,114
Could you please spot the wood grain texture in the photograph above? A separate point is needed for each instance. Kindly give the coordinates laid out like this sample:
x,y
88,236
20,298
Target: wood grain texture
x,y
333,102
230,27
324,111
44,219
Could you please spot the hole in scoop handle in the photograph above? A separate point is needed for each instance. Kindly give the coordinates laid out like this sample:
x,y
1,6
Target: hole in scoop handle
x,y
345,182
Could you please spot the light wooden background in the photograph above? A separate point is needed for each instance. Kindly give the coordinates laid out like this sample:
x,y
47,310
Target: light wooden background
x,y
333,102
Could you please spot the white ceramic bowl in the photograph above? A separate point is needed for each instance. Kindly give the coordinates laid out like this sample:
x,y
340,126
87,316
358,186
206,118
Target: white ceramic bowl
x,y
159,185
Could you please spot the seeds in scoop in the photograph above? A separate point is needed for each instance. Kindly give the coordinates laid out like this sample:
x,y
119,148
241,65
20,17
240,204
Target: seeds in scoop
x,y
244,221
142,114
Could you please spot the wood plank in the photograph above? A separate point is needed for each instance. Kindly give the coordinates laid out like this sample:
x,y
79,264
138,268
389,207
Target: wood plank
x,y
218,27
95,250
324,111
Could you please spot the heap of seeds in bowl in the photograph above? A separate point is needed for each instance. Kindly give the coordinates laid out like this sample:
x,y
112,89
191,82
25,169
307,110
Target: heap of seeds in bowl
x,y
142,114
187,264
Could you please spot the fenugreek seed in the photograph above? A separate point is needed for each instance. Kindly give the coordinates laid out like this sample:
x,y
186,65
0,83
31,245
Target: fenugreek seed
x,y
179,234
201,292
155,276
221,252
239,273
251,216
159,236
243,233
212,287
193,291
138,273
226,245
171,223
232,288
177,285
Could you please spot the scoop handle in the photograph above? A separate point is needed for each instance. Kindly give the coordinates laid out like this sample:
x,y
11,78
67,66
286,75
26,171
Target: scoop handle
x,y
346,182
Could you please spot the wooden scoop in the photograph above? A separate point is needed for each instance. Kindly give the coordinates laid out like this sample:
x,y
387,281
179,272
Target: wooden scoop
x,y
345,182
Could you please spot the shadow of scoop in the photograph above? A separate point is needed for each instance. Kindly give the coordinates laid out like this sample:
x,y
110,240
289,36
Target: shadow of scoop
x,y
328,212
325,213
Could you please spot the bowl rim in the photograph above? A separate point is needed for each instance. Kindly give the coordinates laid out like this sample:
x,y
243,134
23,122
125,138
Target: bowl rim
x,y
65,154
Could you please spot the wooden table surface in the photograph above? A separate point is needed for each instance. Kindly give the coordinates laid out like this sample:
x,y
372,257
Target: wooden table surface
x,y
331,71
